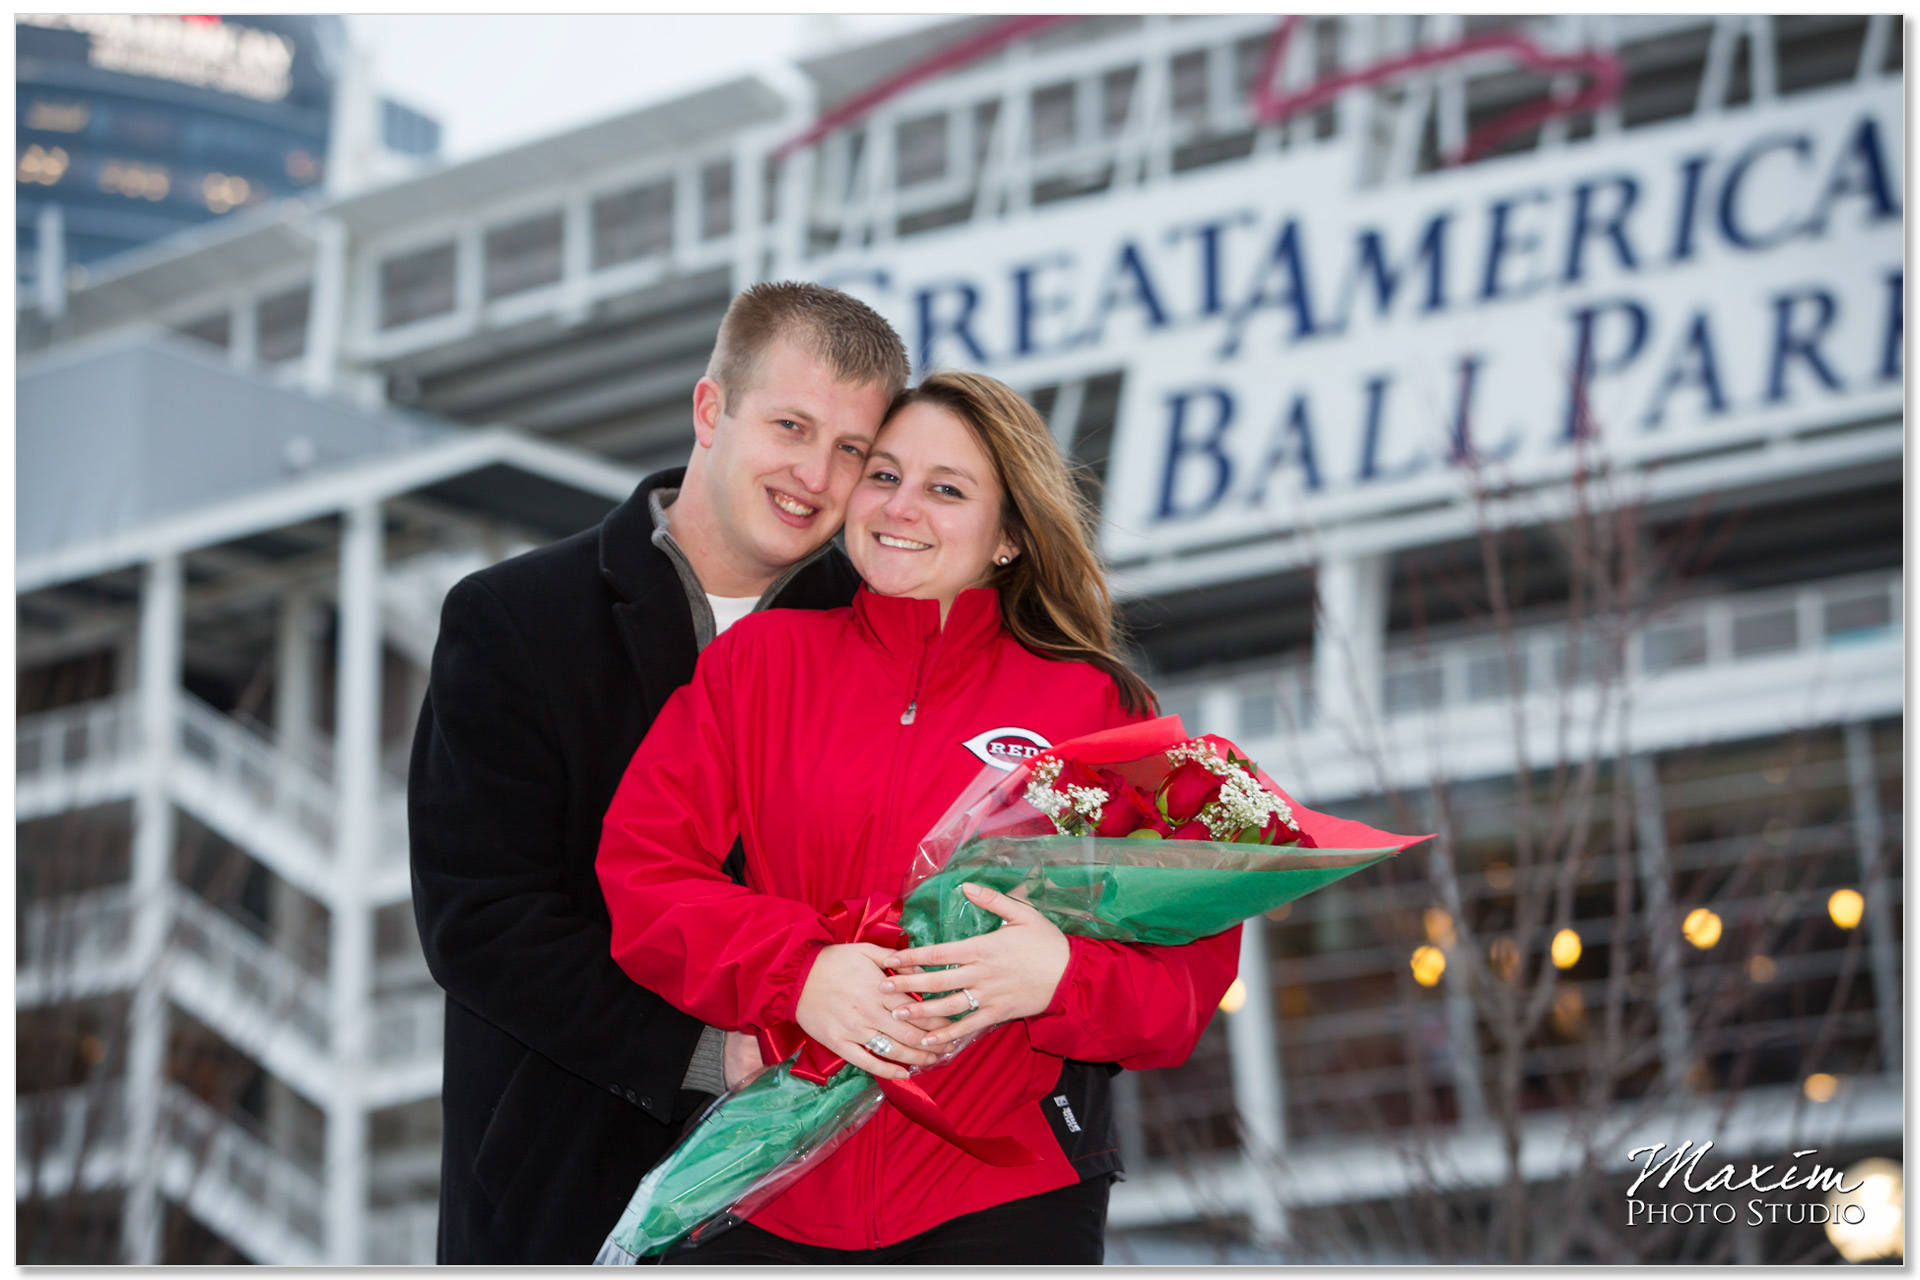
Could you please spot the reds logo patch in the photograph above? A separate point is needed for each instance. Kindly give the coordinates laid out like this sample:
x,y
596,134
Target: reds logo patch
x,y
1005,748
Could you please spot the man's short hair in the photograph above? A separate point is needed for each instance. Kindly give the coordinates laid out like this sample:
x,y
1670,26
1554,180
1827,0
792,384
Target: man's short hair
x,y
829,325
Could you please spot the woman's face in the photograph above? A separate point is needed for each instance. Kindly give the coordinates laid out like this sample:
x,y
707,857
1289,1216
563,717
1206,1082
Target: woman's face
x,y
925,521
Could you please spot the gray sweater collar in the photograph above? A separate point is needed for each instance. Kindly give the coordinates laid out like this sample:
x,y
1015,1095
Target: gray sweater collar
x,y
703,624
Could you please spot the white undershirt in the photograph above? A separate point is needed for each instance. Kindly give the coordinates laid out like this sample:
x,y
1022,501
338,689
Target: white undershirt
x,y
728,610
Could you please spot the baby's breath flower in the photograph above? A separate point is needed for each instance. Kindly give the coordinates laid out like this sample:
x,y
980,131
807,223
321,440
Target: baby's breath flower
x,y
1242,802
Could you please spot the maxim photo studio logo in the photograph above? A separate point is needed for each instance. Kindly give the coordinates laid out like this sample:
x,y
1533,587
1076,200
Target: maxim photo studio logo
x,y
1679,1171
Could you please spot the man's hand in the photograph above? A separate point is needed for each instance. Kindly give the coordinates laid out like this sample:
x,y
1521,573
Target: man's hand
x,y
1011,972
740,1059
842,1007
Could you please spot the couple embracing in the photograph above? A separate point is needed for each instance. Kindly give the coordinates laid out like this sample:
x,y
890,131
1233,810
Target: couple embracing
x,y
655,754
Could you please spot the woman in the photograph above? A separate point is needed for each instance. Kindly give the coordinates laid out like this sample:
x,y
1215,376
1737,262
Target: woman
x,y
829,743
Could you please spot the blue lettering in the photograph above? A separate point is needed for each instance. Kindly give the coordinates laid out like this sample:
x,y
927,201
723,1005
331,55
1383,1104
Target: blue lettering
x,y
1614,227
1027,307
1212,300
1370,436
1692,365
1691,173
1896,327
1461,450
1501,242
1737,235
1587,364
1859,170
1131,272
1292,445
1181,447
959,326
1288,259
1371,260
1790,344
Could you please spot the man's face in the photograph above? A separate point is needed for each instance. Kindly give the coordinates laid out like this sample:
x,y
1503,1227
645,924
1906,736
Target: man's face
x,y
783,454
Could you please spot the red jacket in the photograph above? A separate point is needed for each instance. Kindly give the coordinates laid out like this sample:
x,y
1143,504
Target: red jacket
x,y
790,735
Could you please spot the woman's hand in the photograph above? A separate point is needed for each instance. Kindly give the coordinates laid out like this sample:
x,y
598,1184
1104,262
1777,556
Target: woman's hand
x,y
843,1007
1012,971
740,1059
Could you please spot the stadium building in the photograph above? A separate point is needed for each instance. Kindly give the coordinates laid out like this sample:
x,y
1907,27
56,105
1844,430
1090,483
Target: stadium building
x,y
1498,429
131,127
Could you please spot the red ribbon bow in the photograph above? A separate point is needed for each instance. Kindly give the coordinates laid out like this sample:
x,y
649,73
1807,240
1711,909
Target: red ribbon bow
x,y
876,919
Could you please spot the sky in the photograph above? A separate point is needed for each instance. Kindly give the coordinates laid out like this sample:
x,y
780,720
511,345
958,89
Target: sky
x,y
495,80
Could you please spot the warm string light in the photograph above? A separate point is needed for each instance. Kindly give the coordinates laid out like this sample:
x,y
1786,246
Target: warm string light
x,y
1566,949
1876,1203
1236,997
1702,928
1428,964
1845,907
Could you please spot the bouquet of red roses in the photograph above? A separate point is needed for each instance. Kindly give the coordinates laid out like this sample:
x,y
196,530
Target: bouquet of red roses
x,y
1140,834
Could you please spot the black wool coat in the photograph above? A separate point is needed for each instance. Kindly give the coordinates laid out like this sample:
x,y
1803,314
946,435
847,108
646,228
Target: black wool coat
x,y
562,1077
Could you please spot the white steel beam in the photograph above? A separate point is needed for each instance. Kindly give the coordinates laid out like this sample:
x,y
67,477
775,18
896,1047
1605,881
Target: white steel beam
x,y
161,627
357,831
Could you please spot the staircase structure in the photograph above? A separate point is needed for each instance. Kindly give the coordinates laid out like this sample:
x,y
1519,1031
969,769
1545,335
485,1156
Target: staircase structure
x,y
351,1029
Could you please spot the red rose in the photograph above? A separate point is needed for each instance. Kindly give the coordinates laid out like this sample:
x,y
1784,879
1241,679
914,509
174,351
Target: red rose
x,y
1128,812
1195,830
1188,790
1281,830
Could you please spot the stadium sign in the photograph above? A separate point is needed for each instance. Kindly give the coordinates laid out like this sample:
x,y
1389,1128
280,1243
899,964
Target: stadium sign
x,y
1301,351
203,51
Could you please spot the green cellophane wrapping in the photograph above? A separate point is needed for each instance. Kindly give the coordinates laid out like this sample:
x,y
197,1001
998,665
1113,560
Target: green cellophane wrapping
x,y
756,1140
1160,892
772,1125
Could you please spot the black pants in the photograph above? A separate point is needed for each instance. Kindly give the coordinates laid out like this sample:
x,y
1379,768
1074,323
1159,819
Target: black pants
x,y
1063,1227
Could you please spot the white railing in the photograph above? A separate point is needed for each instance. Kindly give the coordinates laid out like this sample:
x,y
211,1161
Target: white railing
x,y
406,1235
1713,633
59,742
393,825
61,937
220,1148
58,1133
265,977
251,764
408,1027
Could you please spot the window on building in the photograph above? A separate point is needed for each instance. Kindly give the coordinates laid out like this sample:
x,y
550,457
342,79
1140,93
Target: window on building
x,y
407,131
1053,124
1681,644
1116,98
215,330
1190,86
1248,54
524,255
280,325
633,224
921,149
415,286
716,199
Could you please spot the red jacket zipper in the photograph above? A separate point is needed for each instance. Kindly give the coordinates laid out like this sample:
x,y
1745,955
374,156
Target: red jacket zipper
x,y
902,749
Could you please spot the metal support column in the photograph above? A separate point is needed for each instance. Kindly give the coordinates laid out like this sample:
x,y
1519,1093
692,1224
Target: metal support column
x,y
1349,641
161,617
1258,1094
1650,822
326,306
1863,775
350,951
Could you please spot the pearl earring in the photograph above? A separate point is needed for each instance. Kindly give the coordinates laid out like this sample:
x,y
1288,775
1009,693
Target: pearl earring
x,y
1005,560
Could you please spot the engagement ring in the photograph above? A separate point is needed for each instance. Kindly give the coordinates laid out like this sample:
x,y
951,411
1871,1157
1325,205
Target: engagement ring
x,y
973,1006
880,1046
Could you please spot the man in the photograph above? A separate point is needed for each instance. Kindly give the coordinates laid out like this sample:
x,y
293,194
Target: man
x,y
564,1082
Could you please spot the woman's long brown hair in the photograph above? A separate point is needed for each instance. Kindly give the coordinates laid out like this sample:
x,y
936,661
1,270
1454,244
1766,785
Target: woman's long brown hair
x,y
1053,597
